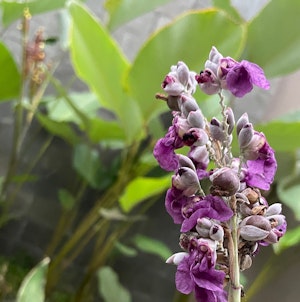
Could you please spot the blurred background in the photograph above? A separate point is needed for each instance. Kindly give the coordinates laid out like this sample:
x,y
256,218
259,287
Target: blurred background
x,y
64,184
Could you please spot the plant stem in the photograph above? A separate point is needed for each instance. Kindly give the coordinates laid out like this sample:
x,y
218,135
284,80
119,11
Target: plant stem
x,y
234,294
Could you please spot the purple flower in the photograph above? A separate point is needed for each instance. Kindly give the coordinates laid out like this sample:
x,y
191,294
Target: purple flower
x,y
260,172
164,149
196,272
241,76
211,206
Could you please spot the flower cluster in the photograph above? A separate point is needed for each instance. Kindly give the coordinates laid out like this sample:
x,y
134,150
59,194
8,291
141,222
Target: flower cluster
x,y
221,209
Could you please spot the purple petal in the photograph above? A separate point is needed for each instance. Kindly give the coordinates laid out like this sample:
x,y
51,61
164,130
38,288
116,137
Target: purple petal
x,y
183,280
257,74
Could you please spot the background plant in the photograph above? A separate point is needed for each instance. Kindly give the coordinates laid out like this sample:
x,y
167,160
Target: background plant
x,y
118,113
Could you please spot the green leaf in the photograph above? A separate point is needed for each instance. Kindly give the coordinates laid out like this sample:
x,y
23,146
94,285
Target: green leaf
x,y
13,10
87,163
60,129
152,246
189,38
103,130
122,11
290,238
281,135
142,188
10,79
288,191
34,283
60,109
229,9
109,286
66,199
100,63
275,45
125,250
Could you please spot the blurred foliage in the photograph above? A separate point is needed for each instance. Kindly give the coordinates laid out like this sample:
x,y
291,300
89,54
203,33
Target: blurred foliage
x,y
119,116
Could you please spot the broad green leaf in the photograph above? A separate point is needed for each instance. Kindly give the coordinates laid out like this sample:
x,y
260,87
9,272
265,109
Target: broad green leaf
x,y
109,286
229,9
142,188
13,10
61,129
66,199
281,135
32,287
87,163
103,130
10,79
60,110
152,246
125,250
100,63
122,11
288,191
189,38
274,44
290,238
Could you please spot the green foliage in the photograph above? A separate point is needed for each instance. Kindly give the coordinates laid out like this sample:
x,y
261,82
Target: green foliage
x,y
13,10
66,199
10,80
152,246
34,283
188,38
109,286
102,66
121,11
290,239
275,45
142,188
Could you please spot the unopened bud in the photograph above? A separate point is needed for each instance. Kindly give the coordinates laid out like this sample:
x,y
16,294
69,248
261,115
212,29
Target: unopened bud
x,y
185,161
245,262
216,129
196,119
176,258
225,182
242,121
230,119
183,73
245,135
195,137
186,180
188,104
274,209
216,232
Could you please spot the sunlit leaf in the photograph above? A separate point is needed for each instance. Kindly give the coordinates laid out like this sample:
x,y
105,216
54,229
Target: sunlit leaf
x,y
109,286
228,8
100,63
189,38
142,188
10,79
281,135
122,11
13,10
288,191
32,287
290,238
152,246
276,45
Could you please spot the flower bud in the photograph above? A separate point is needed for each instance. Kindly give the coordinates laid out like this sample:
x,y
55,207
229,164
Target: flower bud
x,y
216,232
203,227
216,129
195,137
242,121
200,156
196,119
208,82
176,258
230,119
185,161
186,180
172,86
225,182
254,228
245,135
245,262
187,104
274,209
183,73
